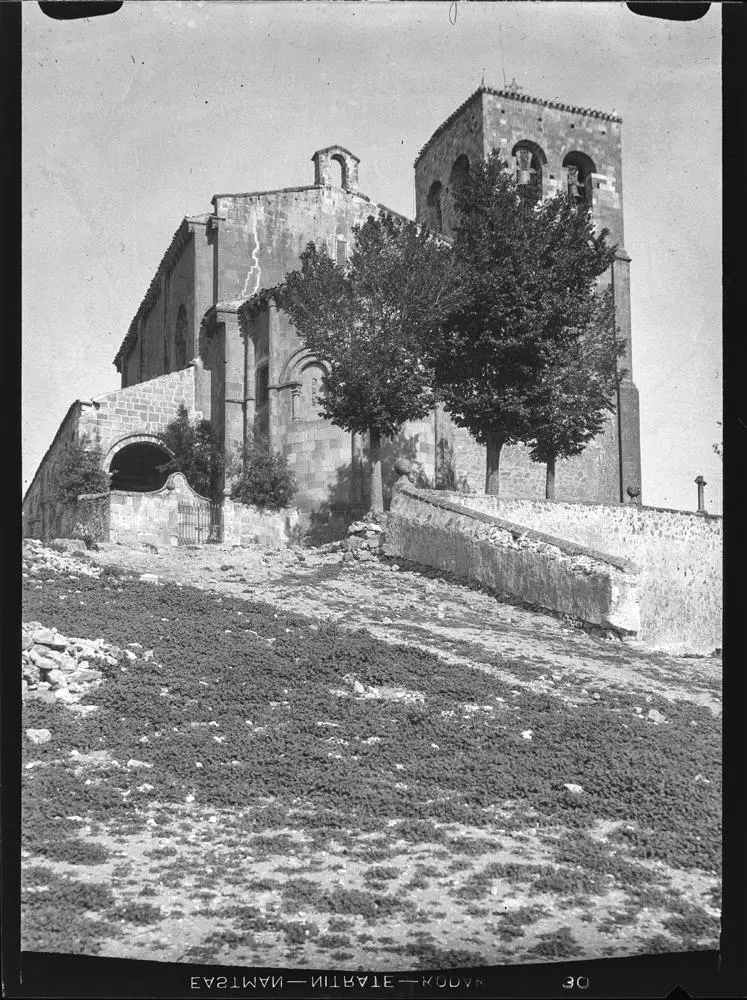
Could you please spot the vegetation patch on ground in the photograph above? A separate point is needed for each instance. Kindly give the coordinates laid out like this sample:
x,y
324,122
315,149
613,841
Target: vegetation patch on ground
x,y
269,805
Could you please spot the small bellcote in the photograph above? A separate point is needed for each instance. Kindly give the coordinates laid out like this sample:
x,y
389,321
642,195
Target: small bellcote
x,y
337,167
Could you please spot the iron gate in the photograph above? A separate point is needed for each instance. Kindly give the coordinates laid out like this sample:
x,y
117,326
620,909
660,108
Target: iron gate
x,y
200,523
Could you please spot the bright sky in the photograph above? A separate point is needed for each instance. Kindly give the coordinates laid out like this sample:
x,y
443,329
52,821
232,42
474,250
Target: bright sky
x,y
133,120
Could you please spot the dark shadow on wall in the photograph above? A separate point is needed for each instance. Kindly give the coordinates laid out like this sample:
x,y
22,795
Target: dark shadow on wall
x,y
348,497
347,501
446,473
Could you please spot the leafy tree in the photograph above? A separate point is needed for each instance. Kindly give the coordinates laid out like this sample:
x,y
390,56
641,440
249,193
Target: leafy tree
x,y
198,453
577,386
527,272
79,471
263,477
371,321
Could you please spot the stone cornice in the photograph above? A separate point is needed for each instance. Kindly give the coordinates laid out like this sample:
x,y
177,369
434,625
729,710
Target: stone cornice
x,y
511,95
261,300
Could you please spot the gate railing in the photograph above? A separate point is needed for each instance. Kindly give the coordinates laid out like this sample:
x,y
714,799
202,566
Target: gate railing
x,y
199,524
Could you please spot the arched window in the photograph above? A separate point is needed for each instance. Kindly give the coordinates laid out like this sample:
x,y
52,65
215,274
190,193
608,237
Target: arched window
x,y
580,168
530,159
343,176
433,204
180,340
459,172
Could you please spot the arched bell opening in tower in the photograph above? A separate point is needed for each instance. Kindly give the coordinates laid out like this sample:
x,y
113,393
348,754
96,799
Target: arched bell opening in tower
x,y
530,160
580,167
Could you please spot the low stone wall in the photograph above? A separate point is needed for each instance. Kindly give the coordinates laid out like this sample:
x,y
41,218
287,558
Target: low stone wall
x,y
680,555
244,524
153,517
601,589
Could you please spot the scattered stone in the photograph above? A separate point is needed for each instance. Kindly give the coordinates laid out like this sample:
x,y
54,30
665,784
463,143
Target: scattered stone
x,y
56,679
62,694
148,578
38,736
573,789
41,694
47,637
527,735
655,716
69,544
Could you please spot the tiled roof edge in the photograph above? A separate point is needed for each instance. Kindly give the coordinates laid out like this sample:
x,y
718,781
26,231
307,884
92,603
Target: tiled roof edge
x,y
515,96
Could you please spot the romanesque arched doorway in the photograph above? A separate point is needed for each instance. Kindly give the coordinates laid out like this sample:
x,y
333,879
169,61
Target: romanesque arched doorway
x,y
135,464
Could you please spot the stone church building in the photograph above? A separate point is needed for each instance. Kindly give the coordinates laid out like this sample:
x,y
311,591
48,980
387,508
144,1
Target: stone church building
x,y
210,331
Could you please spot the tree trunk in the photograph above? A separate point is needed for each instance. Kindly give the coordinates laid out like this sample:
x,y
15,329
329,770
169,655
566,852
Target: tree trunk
x,y
377,490
495,443
550,479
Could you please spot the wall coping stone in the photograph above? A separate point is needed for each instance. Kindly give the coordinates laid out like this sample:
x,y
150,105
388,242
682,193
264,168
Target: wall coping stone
x,y
598,503
518,530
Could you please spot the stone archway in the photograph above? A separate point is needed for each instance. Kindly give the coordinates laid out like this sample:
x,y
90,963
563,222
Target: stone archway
x,y
134,463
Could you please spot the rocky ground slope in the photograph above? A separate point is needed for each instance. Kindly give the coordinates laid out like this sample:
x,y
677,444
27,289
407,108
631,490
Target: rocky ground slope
x,y
303,760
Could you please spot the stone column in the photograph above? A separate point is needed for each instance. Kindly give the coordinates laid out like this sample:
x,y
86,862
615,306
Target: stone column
x,y
273,373
628,418
234,362
701,484
249,380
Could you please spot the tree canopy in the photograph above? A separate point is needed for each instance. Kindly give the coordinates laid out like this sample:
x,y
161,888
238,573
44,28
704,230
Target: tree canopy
x,y
371,321
79,471
526,275
197,452
576,387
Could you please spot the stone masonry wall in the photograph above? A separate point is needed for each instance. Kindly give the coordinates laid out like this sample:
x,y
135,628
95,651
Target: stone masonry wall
x,y
145,408
244,524
679,553
592,586
265,233
152,517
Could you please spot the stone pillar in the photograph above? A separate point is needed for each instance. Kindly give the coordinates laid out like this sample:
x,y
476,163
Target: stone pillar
x,y
701,483
234,362
273,373
249,380
213,239
628,417
403,468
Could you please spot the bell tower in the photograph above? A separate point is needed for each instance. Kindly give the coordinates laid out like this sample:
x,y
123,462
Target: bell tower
x,y
553,147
